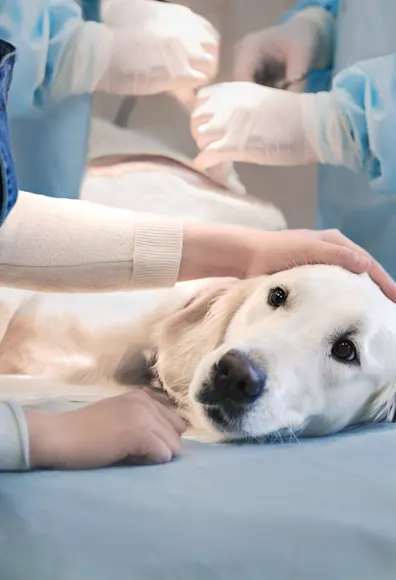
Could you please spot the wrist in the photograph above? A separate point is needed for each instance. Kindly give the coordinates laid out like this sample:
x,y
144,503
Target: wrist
x,y
311,147
211,251
45,450
327,129
101,39
157,251
85,65
299,143
88,61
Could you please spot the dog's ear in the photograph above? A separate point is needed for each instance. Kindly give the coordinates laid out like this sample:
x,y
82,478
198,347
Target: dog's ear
x,y
392,411
389,404
389,408
198,328
381,408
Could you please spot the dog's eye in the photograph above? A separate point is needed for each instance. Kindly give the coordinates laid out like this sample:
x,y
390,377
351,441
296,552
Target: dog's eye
x,y
344,350
277,297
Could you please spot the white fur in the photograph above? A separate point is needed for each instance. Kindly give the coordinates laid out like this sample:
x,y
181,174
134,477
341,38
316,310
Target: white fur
x,y
308,392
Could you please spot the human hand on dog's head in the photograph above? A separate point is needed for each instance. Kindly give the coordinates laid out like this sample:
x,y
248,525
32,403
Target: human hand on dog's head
x,y
211,251
330,247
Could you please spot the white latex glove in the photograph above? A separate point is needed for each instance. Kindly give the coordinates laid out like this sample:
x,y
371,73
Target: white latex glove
x,y
224,173
282,55
147,47
254,124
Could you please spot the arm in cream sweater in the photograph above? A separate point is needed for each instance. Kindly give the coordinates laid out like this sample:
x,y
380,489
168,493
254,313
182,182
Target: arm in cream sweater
x,y
62,245
76,246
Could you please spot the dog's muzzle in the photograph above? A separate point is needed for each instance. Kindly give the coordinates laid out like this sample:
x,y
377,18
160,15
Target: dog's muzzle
x,y
234,384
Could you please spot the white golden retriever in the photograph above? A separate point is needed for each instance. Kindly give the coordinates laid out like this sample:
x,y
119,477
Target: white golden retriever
x,y
305,352
308,352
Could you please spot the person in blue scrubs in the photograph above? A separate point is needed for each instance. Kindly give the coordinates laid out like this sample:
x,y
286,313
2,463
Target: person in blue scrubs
x,y
343,54
67,51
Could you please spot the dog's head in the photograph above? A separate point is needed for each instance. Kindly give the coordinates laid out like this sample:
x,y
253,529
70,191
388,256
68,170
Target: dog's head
x,y
308,351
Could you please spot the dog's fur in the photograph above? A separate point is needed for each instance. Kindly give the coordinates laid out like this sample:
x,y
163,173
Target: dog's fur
x,y
174,350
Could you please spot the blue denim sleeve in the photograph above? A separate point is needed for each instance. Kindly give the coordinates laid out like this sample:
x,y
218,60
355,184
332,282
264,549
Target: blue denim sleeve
x,y
8,180
317,80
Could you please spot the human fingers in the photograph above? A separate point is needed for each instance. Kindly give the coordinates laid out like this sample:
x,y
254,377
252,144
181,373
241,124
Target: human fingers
x,y
170,417
153,450
161,444
376,272
312,251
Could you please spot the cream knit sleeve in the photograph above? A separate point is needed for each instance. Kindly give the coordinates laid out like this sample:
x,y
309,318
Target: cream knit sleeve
x,y
63,245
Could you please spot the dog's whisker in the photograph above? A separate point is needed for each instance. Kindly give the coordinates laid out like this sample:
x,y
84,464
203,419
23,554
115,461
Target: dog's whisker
x,y
279,435
293,436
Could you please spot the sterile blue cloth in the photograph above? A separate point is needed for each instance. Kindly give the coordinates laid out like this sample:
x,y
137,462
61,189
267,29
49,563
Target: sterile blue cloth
x,y
49,137
323,509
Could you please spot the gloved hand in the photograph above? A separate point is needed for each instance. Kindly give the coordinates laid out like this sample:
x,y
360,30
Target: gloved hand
x,y
147,47
223,173
282,55
254,124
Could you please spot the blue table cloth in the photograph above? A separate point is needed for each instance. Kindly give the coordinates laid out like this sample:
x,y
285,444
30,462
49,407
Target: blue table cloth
x,y
324,509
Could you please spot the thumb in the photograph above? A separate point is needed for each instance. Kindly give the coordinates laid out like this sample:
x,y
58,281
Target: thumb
x,y
332,254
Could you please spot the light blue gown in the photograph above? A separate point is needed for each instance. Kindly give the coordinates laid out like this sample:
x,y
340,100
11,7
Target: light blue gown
x,y
361,201
49,137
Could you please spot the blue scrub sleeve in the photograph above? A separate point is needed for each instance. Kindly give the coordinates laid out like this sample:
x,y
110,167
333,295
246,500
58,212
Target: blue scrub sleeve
x,y
329,5
317,80
43,32
364,96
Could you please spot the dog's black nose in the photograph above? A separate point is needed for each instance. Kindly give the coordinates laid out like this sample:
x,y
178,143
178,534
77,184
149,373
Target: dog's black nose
x,y
237,378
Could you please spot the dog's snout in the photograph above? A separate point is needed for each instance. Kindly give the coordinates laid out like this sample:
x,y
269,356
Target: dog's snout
x,y
236,377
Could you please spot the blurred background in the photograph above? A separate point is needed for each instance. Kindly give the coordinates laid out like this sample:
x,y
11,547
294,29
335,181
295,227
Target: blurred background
x,y
292,190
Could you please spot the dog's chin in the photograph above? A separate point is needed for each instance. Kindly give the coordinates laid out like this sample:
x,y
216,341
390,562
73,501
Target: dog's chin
x,y
219,422
227,423
224,423
224,428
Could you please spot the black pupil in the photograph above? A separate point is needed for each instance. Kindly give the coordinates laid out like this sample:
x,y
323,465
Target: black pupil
x,y
277,297
344,350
